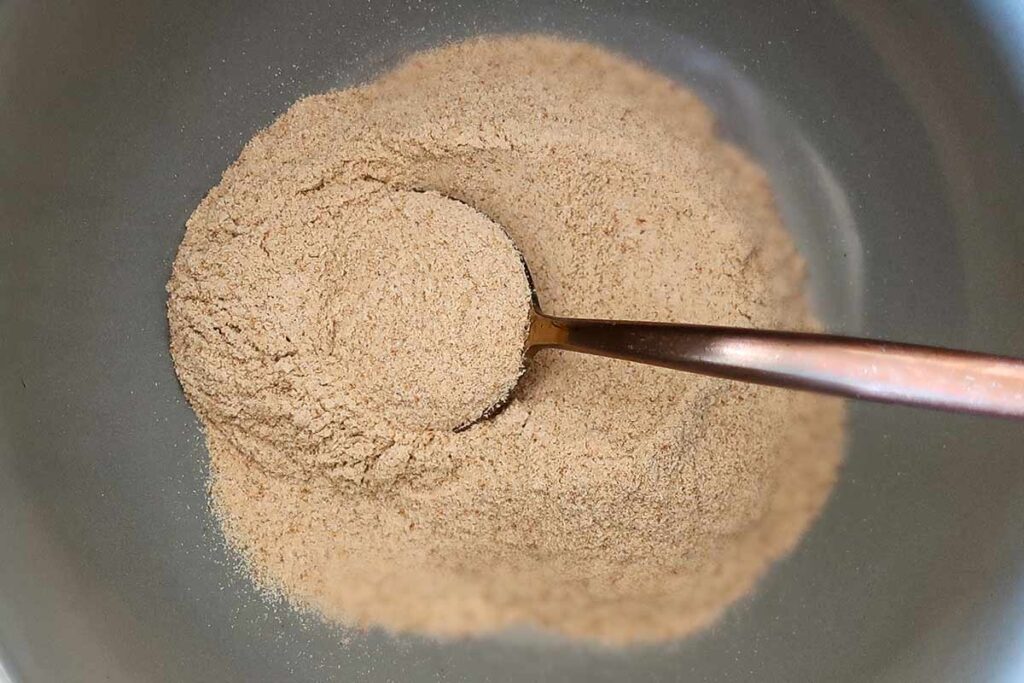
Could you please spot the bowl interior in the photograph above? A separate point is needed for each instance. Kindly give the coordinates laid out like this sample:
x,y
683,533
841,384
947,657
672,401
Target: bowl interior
x,y
892,135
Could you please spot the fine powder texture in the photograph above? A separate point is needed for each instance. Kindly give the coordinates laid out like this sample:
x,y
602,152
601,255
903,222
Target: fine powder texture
x,y
336,308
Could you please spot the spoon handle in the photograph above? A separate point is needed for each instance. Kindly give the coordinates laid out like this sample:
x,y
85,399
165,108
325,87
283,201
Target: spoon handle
x,y
958,381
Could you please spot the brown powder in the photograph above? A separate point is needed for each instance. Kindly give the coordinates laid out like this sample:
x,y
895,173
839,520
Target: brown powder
x,y
333,315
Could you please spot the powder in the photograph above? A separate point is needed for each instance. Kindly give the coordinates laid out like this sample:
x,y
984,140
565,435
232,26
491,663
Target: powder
x,y
336,308
316,339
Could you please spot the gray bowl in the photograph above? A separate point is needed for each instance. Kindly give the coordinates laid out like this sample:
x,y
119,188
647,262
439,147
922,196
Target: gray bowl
x,y
894,134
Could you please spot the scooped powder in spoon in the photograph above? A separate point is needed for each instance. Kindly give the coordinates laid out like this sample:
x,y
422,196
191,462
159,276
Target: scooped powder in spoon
x,y
337,307
318,335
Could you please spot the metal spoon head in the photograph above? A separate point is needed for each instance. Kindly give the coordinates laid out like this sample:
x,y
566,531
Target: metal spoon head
x,y
536,322
539,328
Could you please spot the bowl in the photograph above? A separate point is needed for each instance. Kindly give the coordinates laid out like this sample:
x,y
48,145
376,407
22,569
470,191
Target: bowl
x,y
893,135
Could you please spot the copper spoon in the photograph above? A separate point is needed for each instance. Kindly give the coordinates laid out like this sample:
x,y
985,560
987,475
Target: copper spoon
x,y
957,381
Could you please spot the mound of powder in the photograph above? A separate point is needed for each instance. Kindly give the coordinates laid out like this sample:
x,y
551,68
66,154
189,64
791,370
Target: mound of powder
x,y
316,340
335,312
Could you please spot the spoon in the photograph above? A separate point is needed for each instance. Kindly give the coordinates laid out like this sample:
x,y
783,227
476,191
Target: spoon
x,y
886,372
